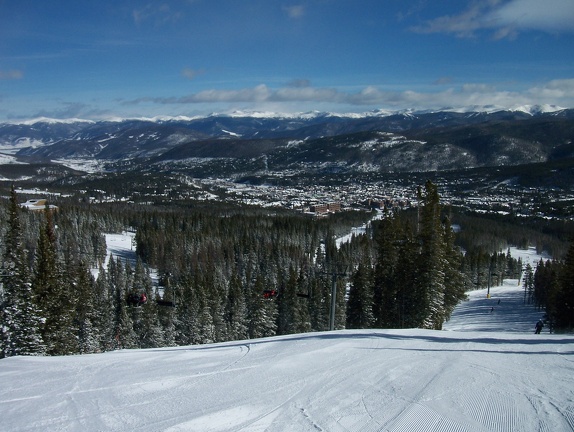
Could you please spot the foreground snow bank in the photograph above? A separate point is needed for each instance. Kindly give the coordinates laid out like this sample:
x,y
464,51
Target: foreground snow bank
x,y
489,372
371,380
408,380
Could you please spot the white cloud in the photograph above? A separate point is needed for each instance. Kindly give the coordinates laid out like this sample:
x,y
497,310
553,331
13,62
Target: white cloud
x,y
13,74
555,92
300,82
159,14
505,18
546,15
295,11
191,73
555,89
68,110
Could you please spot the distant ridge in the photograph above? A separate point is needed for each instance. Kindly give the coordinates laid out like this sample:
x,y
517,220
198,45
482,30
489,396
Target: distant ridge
x,y
315,143
528,109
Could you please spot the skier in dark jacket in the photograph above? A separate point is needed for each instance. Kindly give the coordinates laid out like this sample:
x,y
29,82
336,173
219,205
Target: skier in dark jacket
x,y
539,326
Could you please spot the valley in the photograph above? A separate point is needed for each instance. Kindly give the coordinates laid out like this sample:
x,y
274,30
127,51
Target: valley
x,y
511,163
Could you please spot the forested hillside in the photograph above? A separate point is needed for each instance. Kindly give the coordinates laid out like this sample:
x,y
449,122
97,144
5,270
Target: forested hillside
x,y
226,273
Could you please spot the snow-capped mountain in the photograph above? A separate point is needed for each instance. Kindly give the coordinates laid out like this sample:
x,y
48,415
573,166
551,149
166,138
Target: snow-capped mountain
x,y
414,141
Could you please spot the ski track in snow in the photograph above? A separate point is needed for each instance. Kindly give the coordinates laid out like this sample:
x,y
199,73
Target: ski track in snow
x,y
486,372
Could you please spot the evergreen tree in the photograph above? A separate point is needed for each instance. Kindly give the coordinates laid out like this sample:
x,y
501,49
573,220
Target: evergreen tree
x,y
104,311
187,312
385,285
565,297
205,326
303,303
167,312
360,302
454,281
236,310
124,335
262,312
432,260
406,308
417,278
20,320
528,284
318,303
542,282
289,319
148,329
88,336
215,298
52,291
340,302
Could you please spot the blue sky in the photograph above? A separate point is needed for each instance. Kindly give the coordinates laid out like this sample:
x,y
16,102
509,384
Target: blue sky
x,y
130,58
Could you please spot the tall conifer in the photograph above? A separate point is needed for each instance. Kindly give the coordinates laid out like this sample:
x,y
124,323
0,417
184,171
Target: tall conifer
x,y
565,296
432,260
54,293
360,302
20,320
236,310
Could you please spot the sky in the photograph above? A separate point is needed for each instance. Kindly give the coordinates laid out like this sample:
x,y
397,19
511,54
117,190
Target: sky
x,y
130,58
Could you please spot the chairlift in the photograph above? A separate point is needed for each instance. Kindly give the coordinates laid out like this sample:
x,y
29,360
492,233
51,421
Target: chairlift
x,y
136,299
166,303
268,294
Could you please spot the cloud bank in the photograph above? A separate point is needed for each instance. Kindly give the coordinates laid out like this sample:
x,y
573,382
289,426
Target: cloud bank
x,y
555,92
506,19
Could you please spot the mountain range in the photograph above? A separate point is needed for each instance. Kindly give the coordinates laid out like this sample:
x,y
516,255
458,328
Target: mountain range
x,y
245,144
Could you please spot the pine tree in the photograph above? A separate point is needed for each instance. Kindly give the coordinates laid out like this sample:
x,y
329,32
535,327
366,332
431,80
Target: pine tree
x,y
262,312
360,302
236,310
148,328
289,316
432,260
340,302
124,335
406,308
454,281
388,292
104,311
565,297
303,303
167,312
318,304
528,284
216,301
53,293
187,312
21,322
85,316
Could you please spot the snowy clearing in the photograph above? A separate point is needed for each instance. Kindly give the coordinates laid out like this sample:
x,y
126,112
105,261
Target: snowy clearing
x,y
486,372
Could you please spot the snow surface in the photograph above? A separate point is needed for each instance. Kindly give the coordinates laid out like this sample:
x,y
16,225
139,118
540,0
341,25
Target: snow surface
x,y
9,160
486,372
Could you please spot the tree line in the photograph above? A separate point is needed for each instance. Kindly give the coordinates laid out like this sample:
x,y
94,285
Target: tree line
x,y
231,275
550,287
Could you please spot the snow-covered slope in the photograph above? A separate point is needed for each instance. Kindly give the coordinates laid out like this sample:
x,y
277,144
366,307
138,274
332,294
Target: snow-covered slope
x,y
503,378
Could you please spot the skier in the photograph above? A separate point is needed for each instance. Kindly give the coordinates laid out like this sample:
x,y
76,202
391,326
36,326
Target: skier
x,y
539,326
